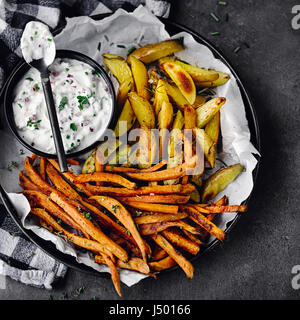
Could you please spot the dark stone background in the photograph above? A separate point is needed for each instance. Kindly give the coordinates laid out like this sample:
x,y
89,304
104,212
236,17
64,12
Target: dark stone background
x,y
265,244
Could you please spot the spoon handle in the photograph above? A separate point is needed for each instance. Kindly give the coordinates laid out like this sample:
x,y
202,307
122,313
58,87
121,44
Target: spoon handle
x,y
54,123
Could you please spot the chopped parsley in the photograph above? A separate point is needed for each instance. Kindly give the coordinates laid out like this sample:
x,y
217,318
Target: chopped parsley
x,y
114,208
73,126
106,37
29,79
62,103
49,39
34,124
20,106
82,100
36,87
87,215
214,16
12,165
99,46
120,46
78,291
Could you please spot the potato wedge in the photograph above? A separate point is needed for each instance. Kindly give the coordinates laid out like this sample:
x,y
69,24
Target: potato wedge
x,y
160,96
152,52
213,127
118,66
164,118
190,117
195,196
206,144
125,87
220,180
140,76
177,97
206,112
125,121
199,74
142,109
182,79
223,78
89,164
176,136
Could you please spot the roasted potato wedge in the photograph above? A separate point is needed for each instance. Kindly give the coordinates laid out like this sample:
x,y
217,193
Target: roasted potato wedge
x,y
182,79
223,78
140,76
208,110
213,127
176,133
199,74
142,109
220,180
165,118
89,164
123,90
118,66
206,144
126,120
177,97
160,96
195,196
153,52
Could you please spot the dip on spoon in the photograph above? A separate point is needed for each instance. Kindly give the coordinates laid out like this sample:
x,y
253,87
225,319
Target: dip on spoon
x,y
38,50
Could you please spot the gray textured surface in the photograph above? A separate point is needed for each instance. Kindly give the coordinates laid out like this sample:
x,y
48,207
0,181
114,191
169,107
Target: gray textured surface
x,y
265,245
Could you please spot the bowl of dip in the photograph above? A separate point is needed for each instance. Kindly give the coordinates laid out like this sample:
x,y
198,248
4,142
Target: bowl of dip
x,y
84,98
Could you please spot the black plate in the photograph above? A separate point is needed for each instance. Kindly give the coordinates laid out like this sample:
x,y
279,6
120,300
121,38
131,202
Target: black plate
x,y
172,28
20,70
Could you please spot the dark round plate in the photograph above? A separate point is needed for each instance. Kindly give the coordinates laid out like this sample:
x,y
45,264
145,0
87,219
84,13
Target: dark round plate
x,y
172,28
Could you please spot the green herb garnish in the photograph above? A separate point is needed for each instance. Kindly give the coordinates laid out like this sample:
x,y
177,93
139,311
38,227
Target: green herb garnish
x,y
62,103
12,165
34,124
29,79
121,46
36,87
214,16
73,126
82,100
130,50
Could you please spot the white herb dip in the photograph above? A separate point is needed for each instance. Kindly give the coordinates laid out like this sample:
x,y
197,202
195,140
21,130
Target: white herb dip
x,y
37,43
83,103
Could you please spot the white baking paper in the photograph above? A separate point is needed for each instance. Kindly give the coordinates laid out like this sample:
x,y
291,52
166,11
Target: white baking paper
x,y
121,30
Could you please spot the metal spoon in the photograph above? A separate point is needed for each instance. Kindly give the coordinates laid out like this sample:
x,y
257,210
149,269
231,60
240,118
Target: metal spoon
x,y
40,58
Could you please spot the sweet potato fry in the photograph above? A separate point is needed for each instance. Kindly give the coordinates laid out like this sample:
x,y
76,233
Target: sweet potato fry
x,y
152,228
221,209
26,184
73,162
167,174
186,266
133,263
41,200
69,175
36,178
175,237
79,241
165,208
158,253
119,211
170,198
88,226
115,276
204,222
157,189
43,167
193,237
163,264
159,218
60,183
104,177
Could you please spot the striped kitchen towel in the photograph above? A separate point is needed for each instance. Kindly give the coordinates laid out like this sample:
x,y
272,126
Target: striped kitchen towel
x,y
19,258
